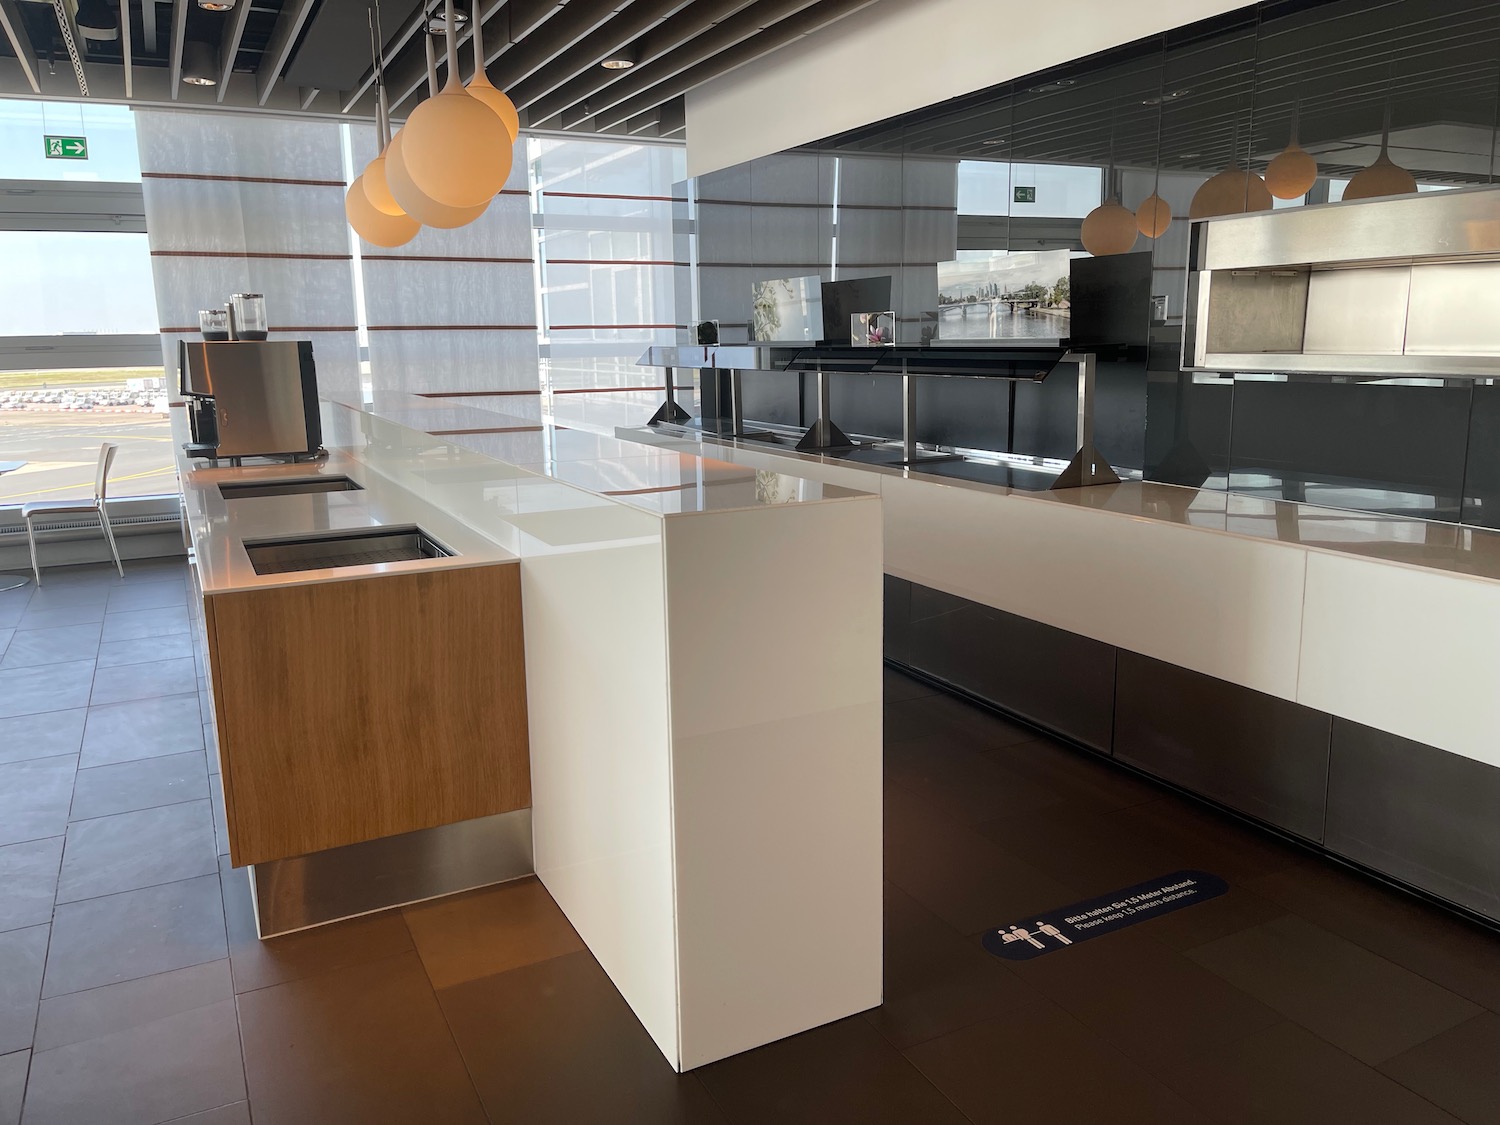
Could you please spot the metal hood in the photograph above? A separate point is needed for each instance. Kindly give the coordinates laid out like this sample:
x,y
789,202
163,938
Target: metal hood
x,y
1406,285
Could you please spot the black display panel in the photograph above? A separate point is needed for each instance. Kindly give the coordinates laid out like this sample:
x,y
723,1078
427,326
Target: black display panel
x,y
842,299
1111,300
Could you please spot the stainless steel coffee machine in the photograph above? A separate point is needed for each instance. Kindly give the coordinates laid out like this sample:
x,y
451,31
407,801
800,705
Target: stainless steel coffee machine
x,y
251,399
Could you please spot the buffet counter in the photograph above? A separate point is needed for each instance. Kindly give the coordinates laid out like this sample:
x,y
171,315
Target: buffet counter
x,y
1330,673
370,756
705,798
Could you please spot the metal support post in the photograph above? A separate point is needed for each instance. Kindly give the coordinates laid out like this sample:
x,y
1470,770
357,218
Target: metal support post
x,y
1088,466
823,434
669,411
908,415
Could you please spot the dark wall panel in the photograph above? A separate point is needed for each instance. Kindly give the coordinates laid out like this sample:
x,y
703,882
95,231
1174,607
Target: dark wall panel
x,y
772,397
971,413
1370,446
1253,752
1053,678
1482,471
1423,815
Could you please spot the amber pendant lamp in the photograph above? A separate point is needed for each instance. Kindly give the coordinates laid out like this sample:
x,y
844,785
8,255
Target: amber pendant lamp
x,y
455,151
1109,228
376,217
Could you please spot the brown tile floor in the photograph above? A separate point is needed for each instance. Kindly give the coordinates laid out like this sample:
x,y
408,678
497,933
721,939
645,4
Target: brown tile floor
x,y
133,989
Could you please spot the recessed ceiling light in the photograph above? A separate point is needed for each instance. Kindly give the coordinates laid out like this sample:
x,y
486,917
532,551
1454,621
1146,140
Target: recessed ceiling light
x,y
1169,96
992,142
1188,155
1053,86
216,5
438,24
623,59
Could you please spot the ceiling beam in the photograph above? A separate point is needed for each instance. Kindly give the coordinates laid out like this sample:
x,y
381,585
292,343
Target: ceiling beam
x,y
148,25
179,35
405,35
505,26
604,89
15,31
229,43
307,94
582,19
126,52
624,29
279,46
787,31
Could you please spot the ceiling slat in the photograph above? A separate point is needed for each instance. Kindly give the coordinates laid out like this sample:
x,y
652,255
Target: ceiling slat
x,y
15,31
794,27
639,18
229,44
179,35
279,47
125,49
602,90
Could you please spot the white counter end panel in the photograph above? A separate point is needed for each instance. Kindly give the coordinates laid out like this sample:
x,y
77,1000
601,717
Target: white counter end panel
x,y
775,675
592,596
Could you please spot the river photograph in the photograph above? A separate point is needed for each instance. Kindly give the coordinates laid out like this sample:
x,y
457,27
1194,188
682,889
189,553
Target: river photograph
x,y
1004,296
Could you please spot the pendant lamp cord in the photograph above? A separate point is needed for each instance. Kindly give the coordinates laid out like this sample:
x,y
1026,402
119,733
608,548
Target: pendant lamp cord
x,y
382,121
476,24
452,40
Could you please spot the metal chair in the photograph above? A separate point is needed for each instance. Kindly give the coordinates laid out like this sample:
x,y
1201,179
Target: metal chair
x,y
48,507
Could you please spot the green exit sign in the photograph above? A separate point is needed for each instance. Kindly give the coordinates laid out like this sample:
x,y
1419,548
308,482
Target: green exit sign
x,y
66,148
1025,195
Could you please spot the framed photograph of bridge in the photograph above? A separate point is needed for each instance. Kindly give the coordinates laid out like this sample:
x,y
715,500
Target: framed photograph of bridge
x,y
1004,296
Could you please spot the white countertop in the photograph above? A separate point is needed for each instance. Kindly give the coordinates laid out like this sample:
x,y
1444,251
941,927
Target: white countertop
x,y
1456,549
220,528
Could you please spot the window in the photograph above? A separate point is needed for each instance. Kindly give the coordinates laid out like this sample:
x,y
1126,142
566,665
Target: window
x,y
75,282
109,130
612,273
80,354
987,187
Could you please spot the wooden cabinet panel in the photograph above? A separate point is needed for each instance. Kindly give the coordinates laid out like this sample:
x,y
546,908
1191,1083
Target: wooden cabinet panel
x,y
353,710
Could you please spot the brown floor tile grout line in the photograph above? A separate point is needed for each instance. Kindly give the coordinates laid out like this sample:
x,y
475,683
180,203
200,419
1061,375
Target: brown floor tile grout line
x,y
1465,923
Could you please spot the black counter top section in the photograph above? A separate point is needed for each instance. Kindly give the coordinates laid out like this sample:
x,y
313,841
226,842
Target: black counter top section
x,y
1028,364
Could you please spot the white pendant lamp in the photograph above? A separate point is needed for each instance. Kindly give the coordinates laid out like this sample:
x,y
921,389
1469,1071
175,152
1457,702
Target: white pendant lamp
x,y
455,149
1153,216
1292,173
481,87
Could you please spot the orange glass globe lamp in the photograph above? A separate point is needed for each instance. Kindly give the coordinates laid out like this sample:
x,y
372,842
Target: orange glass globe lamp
x,y
455,149
1233,191
1109,228
1383,177
1153,217
424,210
482,88
1292,173
377,187
376,227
